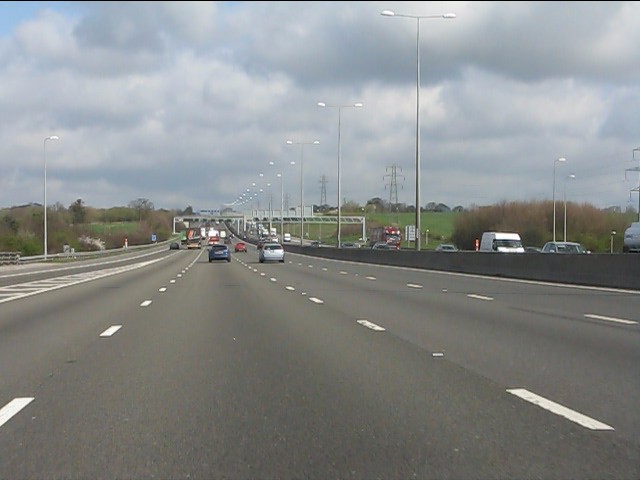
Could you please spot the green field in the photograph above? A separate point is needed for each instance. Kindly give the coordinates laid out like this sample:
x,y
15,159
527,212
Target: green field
x,y
440,226
113,228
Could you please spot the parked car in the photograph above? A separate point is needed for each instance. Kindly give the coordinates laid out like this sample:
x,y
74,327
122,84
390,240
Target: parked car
x,y
446,247
174,246
219,251
632,238
241,247
349,245
563,247
271,252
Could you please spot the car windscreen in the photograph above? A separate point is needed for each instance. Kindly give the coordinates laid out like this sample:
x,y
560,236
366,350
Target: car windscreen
x,y
272,247
218,248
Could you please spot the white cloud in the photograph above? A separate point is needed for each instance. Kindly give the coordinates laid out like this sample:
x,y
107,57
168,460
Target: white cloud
x,y
185,103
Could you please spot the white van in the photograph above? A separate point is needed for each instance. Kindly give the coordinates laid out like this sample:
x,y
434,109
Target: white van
x,y
286,238
502,242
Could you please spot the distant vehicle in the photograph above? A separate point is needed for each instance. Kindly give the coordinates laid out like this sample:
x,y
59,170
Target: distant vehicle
x,y
271,252
315,244
446,247
349,245
174,246
241,247
387,234
219,251
383,246
563,247
501,242
632,238
286,238
194,239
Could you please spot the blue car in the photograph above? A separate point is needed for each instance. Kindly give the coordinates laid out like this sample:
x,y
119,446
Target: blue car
x,y
219,252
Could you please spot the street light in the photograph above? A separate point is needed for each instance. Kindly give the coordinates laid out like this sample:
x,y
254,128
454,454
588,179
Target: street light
x,y
571,176
302,144
339,107
44,152
633,153
613,233
389,13
279,175
557,160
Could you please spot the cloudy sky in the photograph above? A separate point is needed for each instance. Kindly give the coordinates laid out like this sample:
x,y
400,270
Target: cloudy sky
x,y
188,103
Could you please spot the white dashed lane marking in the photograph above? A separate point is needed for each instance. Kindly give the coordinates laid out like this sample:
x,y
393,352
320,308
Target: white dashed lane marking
x,y
561,410
413,285
610,319
371,326
146,303
316,300
479,297
111,330
12,408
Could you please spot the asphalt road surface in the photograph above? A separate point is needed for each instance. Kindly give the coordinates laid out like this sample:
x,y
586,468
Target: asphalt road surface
x,y
169,367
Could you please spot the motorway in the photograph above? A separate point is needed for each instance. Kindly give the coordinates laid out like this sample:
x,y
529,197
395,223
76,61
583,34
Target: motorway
x,y
162,365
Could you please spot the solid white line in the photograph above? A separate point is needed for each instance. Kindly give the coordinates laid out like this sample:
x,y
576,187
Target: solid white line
x,y
316,300
146,303
372,326
111,330
413,285
479,297
13,407
561,410
610,319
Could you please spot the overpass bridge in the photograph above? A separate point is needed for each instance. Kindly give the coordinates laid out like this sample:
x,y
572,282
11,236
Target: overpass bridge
x,y
244,220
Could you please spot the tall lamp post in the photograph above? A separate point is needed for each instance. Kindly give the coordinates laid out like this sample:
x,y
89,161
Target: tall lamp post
x,y
339,107
302,144
556,161
279,175
389,13
44,154
633,153
571,176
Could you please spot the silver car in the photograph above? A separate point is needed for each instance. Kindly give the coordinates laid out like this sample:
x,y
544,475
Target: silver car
x,y
632,238
563,247
271,252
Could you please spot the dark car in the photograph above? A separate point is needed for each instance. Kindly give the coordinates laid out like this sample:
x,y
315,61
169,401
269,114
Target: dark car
x,y
174,246
219,251
446,247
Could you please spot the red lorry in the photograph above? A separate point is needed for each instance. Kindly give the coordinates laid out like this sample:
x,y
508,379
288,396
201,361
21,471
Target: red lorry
x,y
388,234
